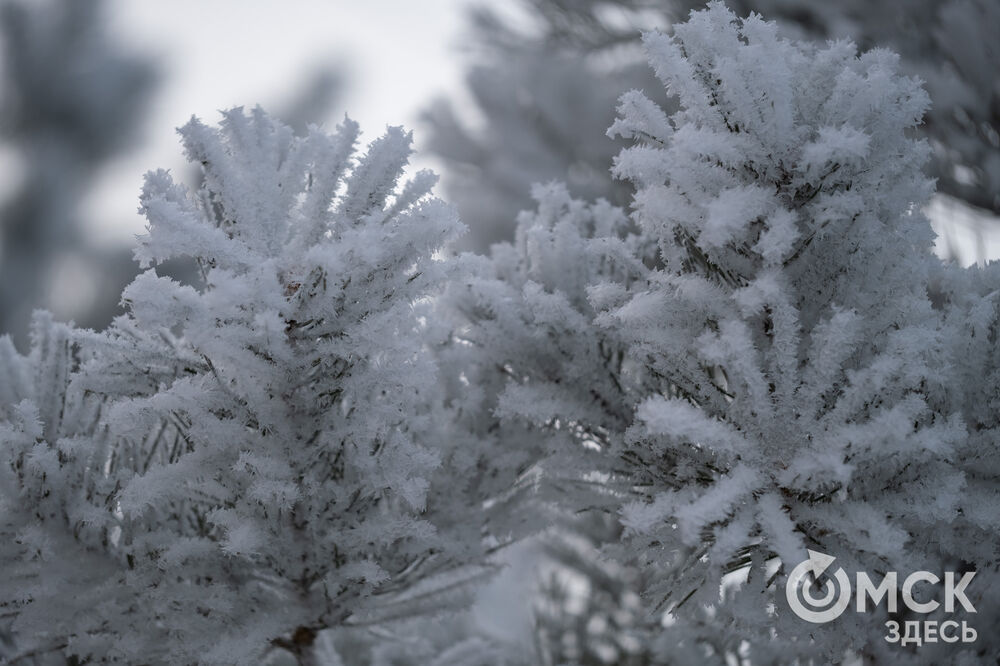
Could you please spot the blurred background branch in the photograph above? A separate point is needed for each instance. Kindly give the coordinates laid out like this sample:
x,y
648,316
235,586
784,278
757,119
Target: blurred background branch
x,y
72,101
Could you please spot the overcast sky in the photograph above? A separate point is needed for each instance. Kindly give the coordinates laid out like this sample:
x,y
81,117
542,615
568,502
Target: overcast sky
x,y
215,54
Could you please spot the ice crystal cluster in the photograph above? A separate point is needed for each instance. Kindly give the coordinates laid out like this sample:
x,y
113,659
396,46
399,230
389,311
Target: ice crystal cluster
x,y
322,450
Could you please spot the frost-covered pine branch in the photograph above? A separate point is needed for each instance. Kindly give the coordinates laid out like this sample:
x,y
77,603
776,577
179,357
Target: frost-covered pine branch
x,y
793,385
549,386
945,43
272,424
806,402
58,481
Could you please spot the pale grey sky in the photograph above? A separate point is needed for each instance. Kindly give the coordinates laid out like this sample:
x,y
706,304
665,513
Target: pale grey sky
x,y
216,54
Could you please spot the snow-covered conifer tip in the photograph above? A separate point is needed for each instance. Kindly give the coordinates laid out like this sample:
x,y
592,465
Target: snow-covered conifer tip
x,y
269,195
774,142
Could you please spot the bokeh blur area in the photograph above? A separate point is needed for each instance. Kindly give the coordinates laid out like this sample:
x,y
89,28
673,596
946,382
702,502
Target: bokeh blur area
x,y
499,97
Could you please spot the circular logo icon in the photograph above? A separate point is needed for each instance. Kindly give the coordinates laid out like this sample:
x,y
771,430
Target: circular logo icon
x,y
817,606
